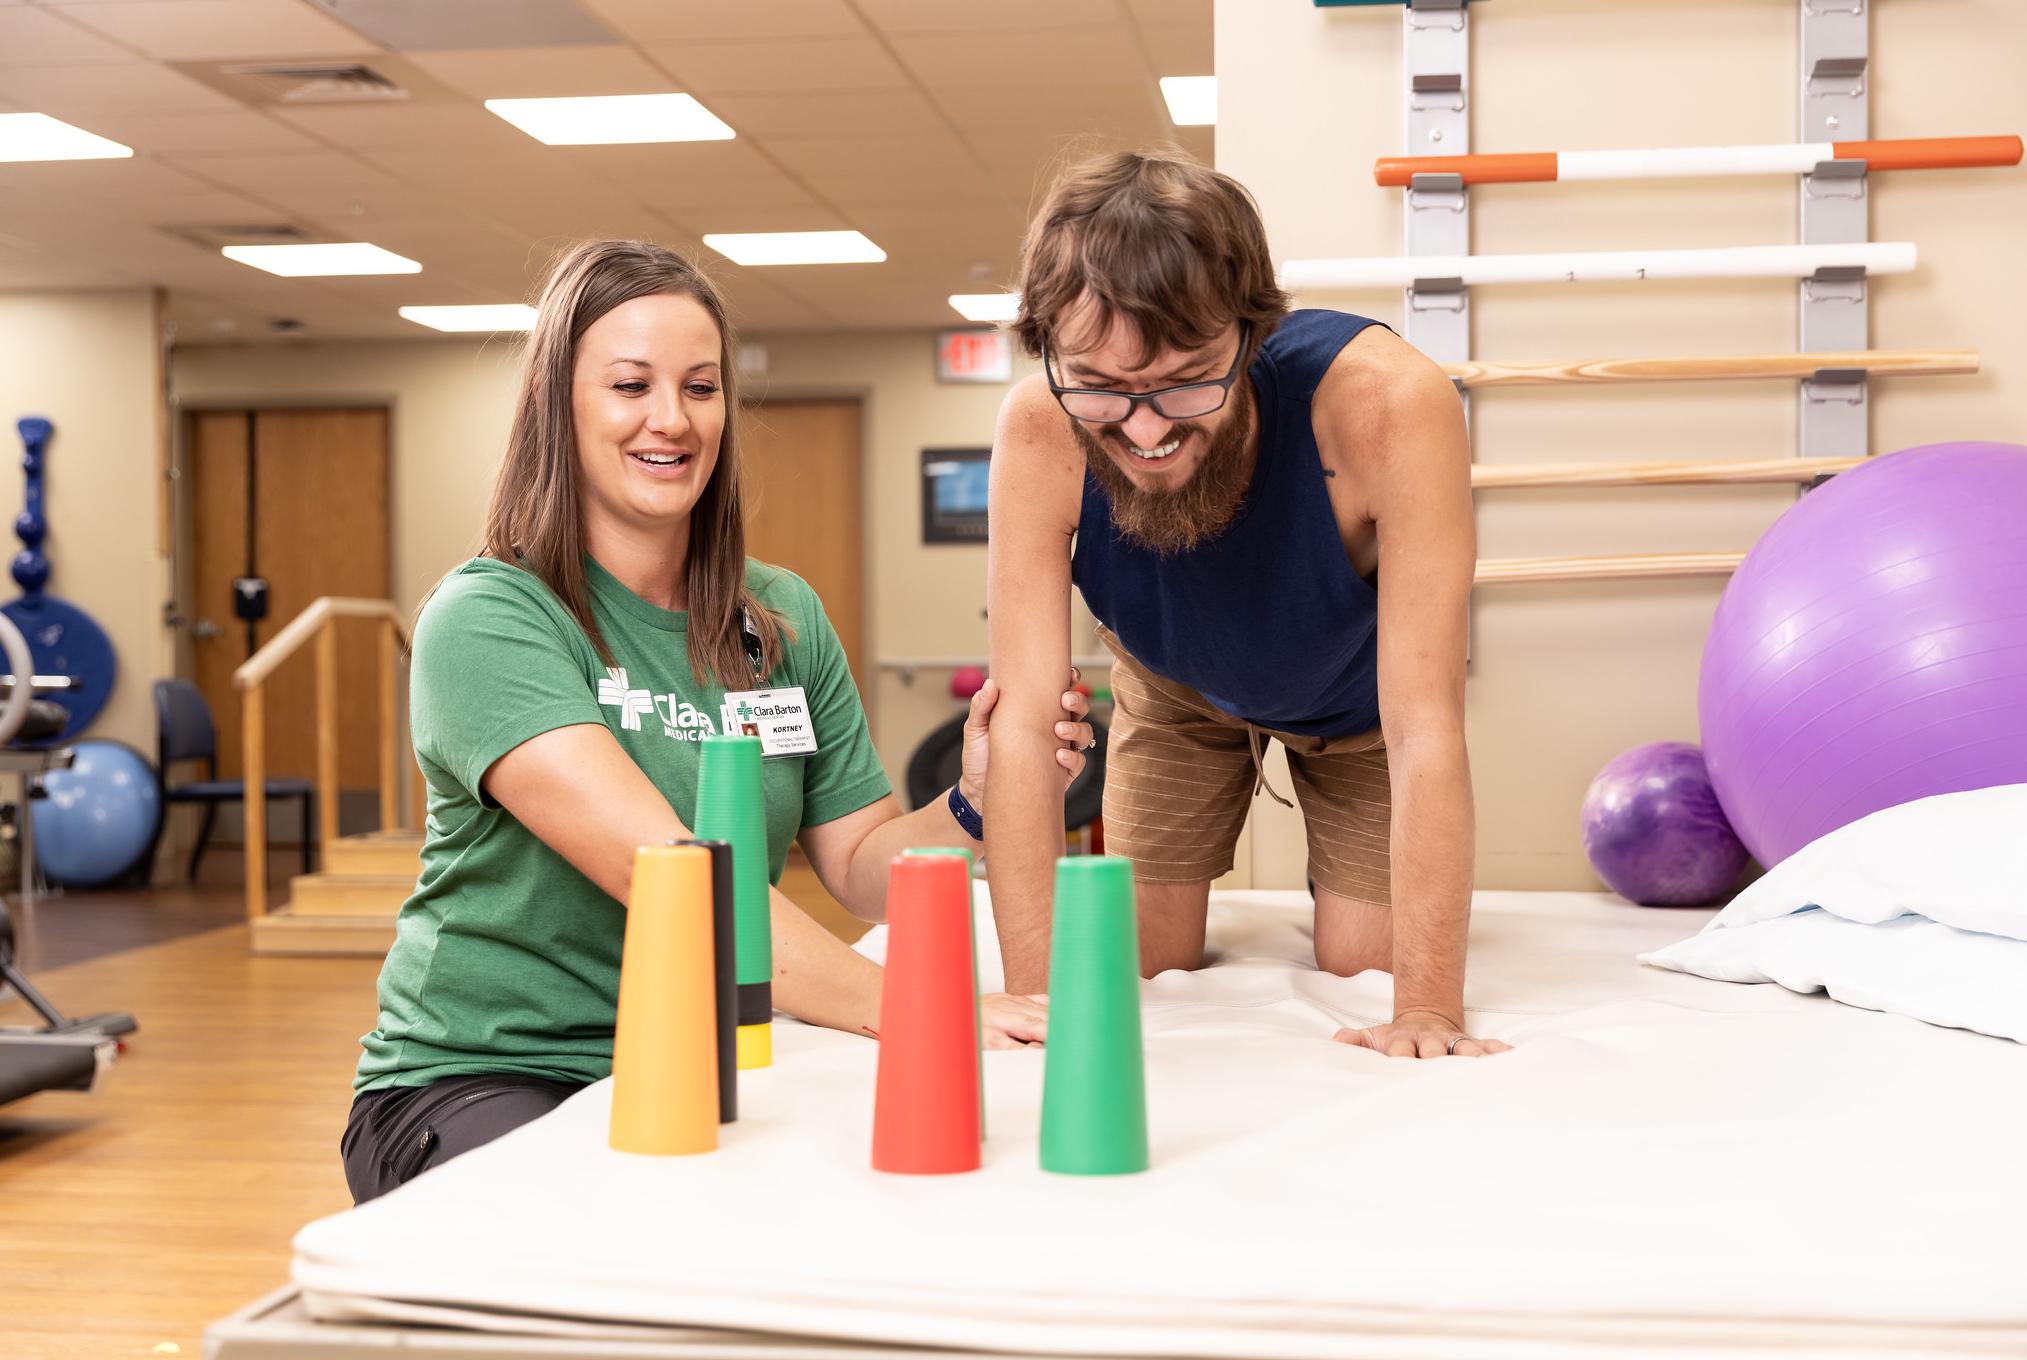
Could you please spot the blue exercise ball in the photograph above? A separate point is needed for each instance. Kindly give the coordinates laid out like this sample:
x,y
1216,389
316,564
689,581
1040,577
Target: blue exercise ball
x,y
100,815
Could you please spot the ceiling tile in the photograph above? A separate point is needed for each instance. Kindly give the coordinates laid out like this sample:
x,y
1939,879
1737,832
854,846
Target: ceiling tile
x,y
683,200
260,171
1185,13
667,164
35,37
932,147
200,132
221,30
452,25
680,21
1105,118
545,72
1174,50
332,204
985,16
817,66
56,188
64,90
969,232
915,189
967,62
861,114
405,123
708,220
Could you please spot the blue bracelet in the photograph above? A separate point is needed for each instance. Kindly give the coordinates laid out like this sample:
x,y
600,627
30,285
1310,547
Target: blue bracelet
x,y
967,816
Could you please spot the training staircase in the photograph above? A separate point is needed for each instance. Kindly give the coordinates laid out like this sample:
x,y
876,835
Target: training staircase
x,y
349,907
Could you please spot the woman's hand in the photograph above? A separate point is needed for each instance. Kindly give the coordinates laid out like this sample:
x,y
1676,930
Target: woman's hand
x,y
1014,1021
1074,732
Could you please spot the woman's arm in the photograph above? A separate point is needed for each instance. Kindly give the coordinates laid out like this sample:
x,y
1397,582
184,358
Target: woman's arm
x,y
577,790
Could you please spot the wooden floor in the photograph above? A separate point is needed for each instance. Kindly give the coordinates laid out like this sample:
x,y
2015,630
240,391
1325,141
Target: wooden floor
x,y
132,1217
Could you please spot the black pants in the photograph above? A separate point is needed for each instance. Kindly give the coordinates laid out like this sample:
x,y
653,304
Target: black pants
x,y
396,1134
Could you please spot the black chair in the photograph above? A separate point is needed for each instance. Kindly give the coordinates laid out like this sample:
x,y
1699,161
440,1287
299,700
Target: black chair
x,y
183,731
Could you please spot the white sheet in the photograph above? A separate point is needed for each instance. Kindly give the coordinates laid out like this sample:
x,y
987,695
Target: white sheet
x,y
1919,909
1660,1166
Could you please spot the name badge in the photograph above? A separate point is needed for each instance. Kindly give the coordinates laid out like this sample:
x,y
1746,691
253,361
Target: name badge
x,y
779,717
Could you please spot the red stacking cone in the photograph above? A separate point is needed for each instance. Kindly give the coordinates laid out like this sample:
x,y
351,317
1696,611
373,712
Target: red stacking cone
x,y
926,1103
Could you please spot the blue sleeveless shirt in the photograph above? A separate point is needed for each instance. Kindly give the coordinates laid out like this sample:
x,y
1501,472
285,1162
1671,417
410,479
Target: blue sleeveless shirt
x,y
1268,620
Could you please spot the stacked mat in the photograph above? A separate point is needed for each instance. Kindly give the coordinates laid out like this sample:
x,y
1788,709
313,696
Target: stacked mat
x,y
1664,1165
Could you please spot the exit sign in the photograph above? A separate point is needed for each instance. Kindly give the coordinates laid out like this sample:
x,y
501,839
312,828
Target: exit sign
x,y
973,357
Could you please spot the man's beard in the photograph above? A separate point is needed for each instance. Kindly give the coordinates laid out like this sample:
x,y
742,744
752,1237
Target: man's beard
x,y
1171,521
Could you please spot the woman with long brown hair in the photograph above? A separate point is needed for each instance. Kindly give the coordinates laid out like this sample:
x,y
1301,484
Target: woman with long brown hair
x,y
561,681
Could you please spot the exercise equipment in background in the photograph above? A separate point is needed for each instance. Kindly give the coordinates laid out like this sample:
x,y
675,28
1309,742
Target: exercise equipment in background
x,y
1798,158
1872,647
1601,266
939,760
1654,831
63,638
60,1053
96,820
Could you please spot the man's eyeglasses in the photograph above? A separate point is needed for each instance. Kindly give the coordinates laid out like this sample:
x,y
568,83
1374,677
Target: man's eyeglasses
x,y
1099,406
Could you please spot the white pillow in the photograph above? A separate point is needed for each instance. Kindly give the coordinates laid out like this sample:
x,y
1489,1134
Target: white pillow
x,y
1957,858
1920,910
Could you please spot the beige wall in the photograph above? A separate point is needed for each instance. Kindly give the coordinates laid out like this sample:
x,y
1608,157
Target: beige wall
x,y
1566,676
452,401
90,363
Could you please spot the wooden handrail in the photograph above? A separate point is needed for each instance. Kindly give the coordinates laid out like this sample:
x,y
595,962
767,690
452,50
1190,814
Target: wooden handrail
x,y
1515,570
1719,472
304,627
1877,363
317,624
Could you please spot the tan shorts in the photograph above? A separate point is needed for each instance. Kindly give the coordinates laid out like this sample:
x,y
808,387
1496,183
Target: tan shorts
x,y
1181,773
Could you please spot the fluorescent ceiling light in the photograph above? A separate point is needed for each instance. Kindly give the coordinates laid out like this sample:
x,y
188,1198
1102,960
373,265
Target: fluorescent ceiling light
x,y
795,247
501,316
38,137
1192,100
343,257
987,306
614,119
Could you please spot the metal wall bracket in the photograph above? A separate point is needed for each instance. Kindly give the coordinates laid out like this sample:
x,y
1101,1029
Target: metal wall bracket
x,y
1436,217
1823,181
1436,193
1845,385
1834,208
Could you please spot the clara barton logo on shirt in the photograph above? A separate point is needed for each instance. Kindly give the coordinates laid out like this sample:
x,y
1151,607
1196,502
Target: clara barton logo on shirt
x,y
681,720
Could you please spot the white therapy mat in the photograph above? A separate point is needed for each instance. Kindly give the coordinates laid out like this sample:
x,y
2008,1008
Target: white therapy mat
x,y
1664,1165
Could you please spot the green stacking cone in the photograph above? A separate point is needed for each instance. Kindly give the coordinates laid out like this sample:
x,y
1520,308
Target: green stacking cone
x,y
730,809
1094,1086
972,917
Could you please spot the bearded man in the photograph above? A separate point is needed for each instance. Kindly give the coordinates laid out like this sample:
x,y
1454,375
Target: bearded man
x,y
1269,514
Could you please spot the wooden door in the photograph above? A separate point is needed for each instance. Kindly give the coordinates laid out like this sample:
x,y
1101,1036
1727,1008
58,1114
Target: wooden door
x,y
308,510
805,506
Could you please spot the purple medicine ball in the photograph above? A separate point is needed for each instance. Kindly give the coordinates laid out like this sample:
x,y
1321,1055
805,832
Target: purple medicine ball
x,y
1654,832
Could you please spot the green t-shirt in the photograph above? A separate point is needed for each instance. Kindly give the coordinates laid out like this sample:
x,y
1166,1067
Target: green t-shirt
x,y
506,958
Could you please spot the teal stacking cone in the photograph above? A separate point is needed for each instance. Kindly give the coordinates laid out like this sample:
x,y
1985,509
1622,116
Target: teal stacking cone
x,y
1094,1084
730,809
971,915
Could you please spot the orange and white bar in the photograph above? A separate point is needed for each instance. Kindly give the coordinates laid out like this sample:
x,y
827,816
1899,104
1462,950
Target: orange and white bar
x,y
1916,153
1601,266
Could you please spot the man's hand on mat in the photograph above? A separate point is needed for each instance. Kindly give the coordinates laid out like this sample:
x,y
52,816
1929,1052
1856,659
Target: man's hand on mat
x,y
1420,1034
1074,733
1014,1021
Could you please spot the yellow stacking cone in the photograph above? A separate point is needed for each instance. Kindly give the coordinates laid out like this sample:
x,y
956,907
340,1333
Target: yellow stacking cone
x,y
665,1047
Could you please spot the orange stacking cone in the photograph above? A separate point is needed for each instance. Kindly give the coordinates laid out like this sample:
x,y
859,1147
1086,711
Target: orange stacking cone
x,y
926,1101
665,1046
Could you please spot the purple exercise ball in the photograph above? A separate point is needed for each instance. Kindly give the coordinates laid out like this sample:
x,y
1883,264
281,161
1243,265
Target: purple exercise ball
x,y
1872,648
1654,831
